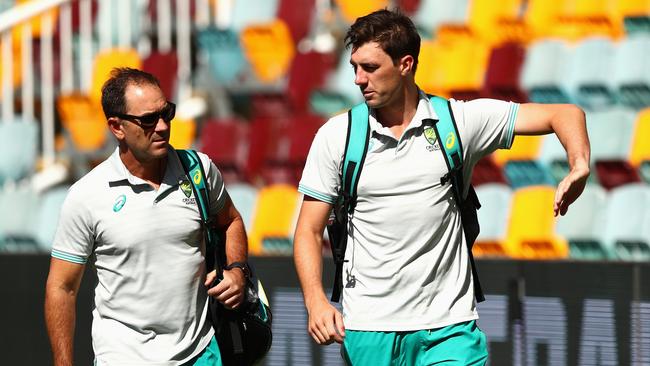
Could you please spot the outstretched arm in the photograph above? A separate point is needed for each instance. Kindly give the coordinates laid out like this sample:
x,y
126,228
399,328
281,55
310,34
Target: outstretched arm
x,y
325,322
60,308
568,122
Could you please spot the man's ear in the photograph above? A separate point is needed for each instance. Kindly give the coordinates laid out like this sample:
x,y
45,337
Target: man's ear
x,y
115,125
406,64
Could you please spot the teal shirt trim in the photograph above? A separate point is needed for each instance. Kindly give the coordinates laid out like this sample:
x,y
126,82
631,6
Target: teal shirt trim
x,y
317,195
68,257
514,109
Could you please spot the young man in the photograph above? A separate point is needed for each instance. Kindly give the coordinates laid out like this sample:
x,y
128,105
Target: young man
x,y
408,296
135,219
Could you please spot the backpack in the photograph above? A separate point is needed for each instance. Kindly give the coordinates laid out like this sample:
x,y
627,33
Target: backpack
x,y
356,148
244,334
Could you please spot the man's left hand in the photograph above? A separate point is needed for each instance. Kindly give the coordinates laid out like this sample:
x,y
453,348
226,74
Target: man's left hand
x,y
230,291
569,189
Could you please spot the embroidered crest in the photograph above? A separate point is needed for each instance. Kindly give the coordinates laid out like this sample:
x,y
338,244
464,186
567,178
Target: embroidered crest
x,y
186,187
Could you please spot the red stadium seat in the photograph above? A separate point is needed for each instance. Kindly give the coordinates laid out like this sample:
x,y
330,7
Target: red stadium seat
x,y
165,67
298,15
225,142
502,76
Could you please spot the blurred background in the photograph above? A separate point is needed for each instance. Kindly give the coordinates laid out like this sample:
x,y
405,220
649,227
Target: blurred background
x,y
255,79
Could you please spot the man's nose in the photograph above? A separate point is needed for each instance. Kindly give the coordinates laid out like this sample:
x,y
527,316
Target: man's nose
x,y
360,77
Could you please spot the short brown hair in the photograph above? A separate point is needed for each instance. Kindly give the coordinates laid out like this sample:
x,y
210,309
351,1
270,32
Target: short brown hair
x,y
113,101
394,32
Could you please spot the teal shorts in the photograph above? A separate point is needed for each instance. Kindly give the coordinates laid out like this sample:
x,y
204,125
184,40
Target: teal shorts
x,y
209,357
459,344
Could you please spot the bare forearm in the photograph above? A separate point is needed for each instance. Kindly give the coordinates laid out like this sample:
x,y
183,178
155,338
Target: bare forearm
x,y
60,317
570,128
308,259
236,241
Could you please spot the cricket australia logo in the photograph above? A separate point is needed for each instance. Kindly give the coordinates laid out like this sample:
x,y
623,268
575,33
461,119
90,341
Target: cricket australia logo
x,y
430,135
186,188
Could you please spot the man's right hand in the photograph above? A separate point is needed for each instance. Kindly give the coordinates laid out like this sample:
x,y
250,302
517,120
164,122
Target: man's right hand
x,y
325,323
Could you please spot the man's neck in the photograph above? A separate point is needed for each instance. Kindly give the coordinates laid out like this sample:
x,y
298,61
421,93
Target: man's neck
x,y
398,115
151,171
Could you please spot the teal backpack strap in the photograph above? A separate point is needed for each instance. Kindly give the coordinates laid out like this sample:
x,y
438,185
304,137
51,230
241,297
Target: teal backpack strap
x,y
452,148
356,147
450,144
196,176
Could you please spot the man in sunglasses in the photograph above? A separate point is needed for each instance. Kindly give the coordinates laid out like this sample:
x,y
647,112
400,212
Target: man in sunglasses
x,y
135,219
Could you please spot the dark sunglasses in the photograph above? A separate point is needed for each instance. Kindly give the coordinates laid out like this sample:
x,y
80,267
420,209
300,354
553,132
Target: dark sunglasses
x,y
150,120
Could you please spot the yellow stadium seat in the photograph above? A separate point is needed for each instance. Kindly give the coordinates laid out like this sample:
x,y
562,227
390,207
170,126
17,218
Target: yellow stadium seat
x,y
631,8
274,216
531,232
523,148
85,123
106,61
183,131
640,150
497,24
269,48
541,15
453,62
352,9
16,66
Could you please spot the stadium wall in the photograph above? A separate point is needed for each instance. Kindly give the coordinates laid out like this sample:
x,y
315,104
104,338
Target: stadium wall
x,y
536,313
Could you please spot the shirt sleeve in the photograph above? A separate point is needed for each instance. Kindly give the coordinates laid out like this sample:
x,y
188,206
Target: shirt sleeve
x,y
216,186
485,125
75,238
320,177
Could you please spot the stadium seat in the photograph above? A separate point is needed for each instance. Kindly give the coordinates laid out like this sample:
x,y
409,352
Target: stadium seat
x,y
307,73
105,62
627,223
429,76
432,13
544,71
183,131
165,67
339,93
244,197
586,81
635,15
18,149
226,143
583,224
503,73
408,6
610,134
583,18
245,14
298,15
631,75
492,23
531,231
353,9
110,17
493,217
520,163
541,15
269,49
274,220
486,171
17,208
84,123
640,151
461,62
224,54
47,216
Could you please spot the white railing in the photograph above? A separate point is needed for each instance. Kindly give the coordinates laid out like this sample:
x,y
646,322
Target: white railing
x,y
129,35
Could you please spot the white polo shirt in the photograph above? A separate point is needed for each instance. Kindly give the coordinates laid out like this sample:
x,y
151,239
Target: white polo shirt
x,y
147,247
408,266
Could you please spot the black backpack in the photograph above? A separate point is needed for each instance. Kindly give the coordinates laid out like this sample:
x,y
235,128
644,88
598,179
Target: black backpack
x,y
356,147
